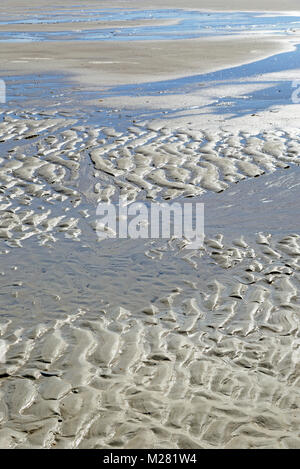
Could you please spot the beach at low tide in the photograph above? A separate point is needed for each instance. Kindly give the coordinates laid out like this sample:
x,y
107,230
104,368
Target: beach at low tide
x,y
147,343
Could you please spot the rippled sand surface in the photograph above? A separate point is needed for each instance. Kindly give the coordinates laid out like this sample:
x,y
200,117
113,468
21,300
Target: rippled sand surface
x,y
97,349
147,343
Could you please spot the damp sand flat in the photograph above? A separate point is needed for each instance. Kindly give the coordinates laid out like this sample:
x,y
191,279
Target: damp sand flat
x,y
120,63
124,57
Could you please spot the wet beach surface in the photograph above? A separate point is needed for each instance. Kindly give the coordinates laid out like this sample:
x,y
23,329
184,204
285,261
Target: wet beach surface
x,y
179,24
125,343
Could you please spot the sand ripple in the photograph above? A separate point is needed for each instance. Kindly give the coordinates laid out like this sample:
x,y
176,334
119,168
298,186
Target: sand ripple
x,y
216,369
220,369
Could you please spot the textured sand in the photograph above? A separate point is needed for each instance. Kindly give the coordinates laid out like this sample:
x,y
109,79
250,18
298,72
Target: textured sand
x,y
147,344
213,364
83,25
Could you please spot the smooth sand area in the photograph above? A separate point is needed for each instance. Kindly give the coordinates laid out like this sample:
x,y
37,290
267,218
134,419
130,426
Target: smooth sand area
x,y
109,63
83,25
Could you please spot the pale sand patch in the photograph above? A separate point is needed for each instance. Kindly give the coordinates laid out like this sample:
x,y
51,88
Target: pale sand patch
x,y
194,110
157,60
281,117
84,25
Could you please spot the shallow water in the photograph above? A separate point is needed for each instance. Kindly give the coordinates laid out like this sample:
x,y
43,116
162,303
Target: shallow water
x,y
275,92
189,24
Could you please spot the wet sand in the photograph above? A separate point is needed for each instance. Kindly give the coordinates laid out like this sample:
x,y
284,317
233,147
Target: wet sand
x,y
206,358
123,63
126,343
81,25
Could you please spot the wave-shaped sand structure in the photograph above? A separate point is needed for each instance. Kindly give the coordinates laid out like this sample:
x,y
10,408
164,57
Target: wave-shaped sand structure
x,y
149,161
215,368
